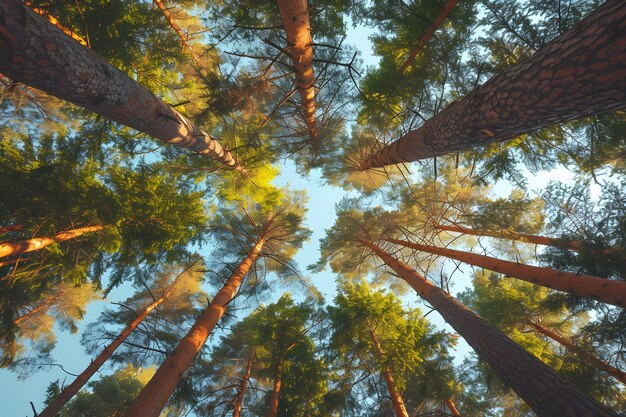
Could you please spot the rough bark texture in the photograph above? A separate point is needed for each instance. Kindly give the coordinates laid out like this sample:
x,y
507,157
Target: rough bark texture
x,y
523,237
295,17
582,353
155,394
606,290
452,407
547,393
34,52
396,399
68,392
69,32
272,410
580,73
244,385
30,245
447,8
170,20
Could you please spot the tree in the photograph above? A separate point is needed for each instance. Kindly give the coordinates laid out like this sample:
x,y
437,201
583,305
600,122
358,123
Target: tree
x,y
493,111
547,393
274,229
94,84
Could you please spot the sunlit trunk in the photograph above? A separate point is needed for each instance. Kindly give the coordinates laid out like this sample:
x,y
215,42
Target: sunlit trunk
x,y
69,32
452,407
155,394
244,385
547,393
170,20
30,245
606,290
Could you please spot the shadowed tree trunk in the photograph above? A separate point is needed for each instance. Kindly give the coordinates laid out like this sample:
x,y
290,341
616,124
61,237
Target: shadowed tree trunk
x,y
452,407
30,245
523,237
581,352
295,17
155,394
547,393
244,385
606,290
447,8
396,399
278,380
68,392
578,74
34,52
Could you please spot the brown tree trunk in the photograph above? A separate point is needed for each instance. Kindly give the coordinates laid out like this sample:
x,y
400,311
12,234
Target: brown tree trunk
x,y
614,372
10,228
272,411
452,407
244,385
183,38
606,290
523,237
68,392
578,74
33,52
295,17
155,394
547,393
69,32
396,399
30,245
42,307
447,8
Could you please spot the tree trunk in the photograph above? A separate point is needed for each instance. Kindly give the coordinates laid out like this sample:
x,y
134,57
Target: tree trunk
x,y
244,385
278,380
68,392
42,307
170,20
34,52
523,237
295,17
155,394
30,245
10,228
396,399
584,354
606,290
69,32
578,74
547,393
447,8
452,407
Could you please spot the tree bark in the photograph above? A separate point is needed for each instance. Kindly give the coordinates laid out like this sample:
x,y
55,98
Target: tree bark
x,y
396,399
447,8
523,237
69,32
10,228
278,380
578,74
582,353
452,407
66,395
244,385
30,245
295,17
605,290
155,394
33,52
547,393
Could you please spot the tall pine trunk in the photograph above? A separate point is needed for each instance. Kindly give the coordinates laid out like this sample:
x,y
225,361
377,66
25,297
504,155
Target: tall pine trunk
x,y
272,410
244,385
155,394
30,245
184,40
38,54
452,407
547,393
447,8
606,290
68,392
523,237
295,17
581,352
578,74
396,399
69,32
